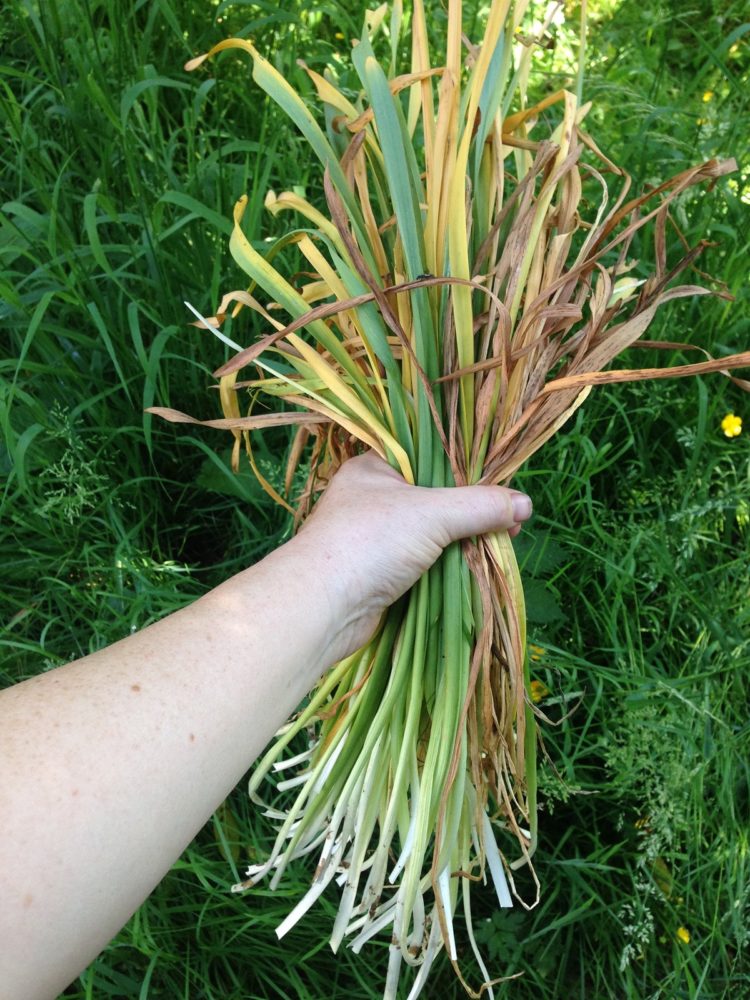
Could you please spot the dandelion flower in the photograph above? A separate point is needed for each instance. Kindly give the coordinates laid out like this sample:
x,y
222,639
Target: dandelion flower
x,y
731,425
683,935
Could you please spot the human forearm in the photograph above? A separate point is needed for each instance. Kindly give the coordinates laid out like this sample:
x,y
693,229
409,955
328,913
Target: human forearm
x,y
113,763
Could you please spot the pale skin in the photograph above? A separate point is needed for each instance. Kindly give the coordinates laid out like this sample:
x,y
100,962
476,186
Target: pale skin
x,y
112,763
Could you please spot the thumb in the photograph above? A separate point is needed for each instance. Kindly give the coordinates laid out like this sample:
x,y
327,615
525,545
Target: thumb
x,y
476,510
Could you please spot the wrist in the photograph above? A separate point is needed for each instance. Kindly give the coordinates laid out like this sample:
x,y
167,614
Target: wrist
x,y
325,566
291,596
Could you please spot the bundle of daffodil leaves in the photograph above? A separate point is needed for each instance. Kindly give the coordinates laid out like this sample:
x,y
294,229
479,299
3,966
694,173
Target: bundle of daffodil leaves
x,y
468,285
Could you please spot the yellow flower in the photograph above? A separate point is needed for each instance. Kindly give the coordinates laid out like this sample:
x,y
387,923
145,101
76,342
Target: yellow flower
x,y
708,95
731,425
339,35
683,935
539,690
535,652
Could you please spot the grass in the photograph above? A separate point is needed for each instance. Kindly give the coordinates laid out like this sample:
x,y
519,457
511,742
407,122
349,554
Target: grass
x,y
115,167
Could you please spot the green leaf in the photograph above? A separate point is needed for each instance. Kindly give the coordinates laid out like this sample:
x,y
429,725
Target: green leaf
x,y
542,607
131,95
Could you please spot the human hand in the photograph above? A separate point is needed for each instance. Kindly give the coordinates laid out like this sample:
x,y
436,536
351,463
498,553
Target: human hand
x,y
373,535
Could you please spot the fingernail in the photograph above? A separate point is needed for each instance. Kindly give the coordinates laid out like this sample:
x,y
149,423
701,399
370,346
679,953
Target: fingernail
x,y
522,506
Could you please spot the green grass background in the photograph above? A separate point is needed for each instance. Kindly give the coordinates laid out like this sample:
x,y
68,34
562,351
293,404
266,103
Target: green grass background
x,y
117,176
